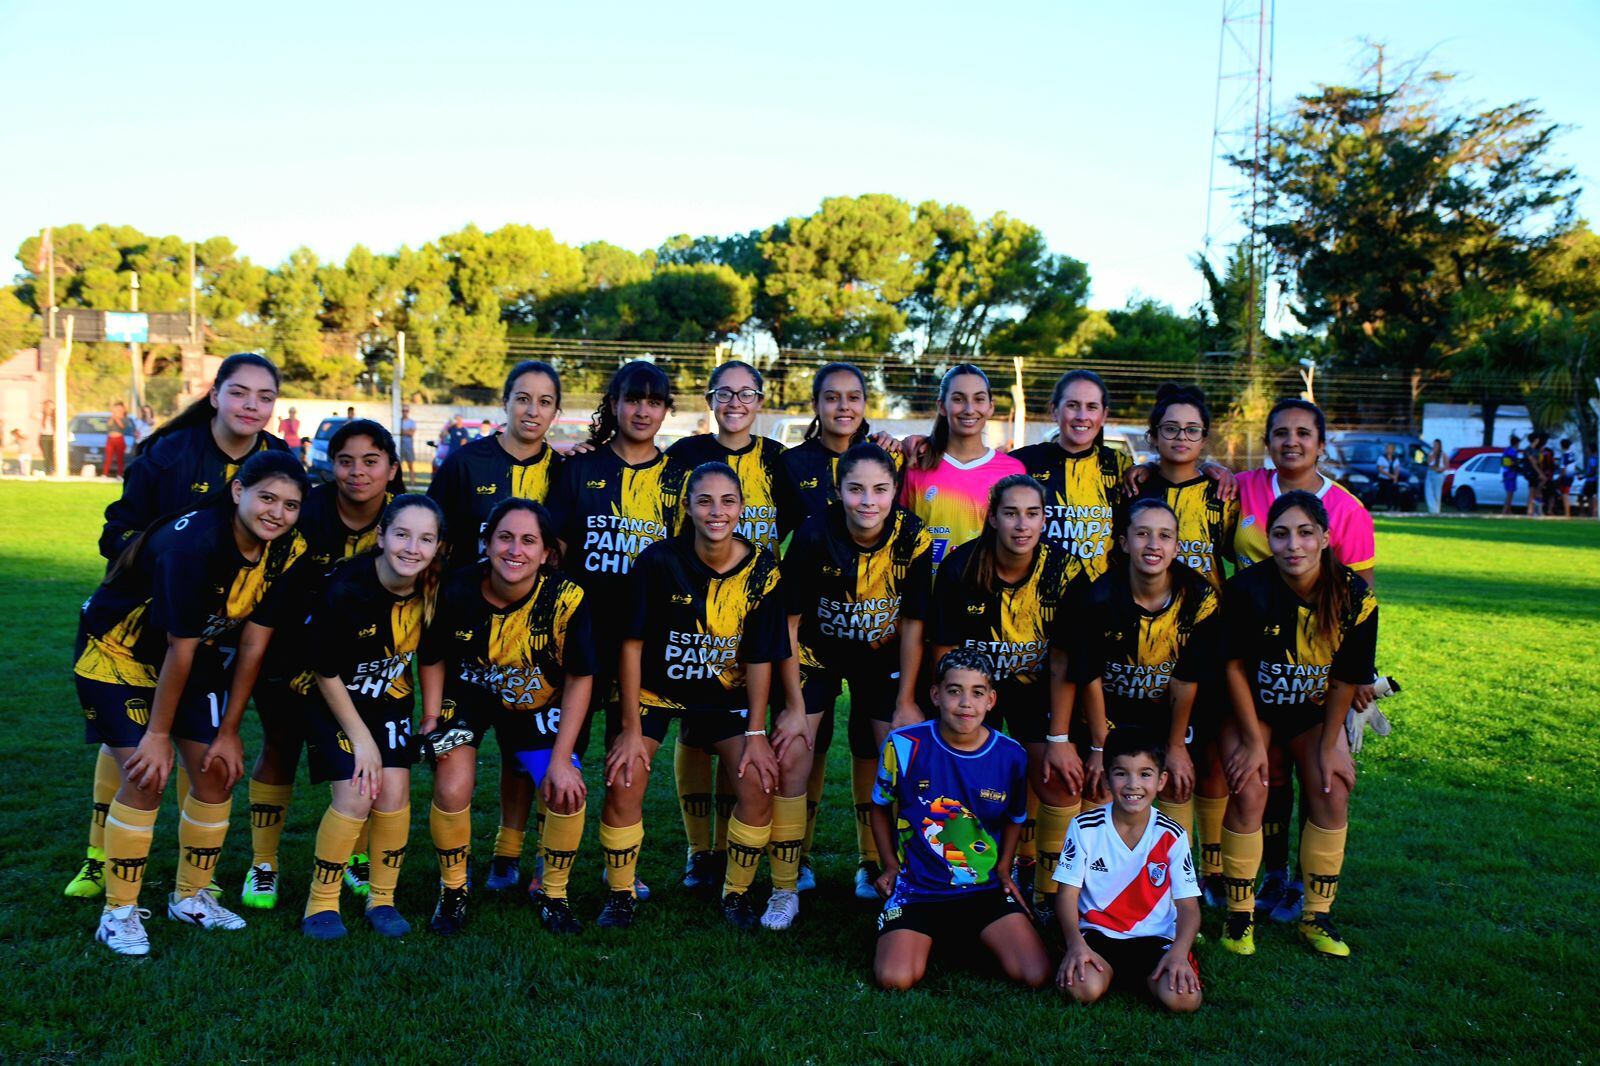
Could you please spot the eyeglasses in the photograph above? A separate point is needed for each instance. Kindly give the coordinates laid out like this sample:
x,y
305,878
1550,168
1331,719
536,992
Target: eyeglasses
x,y
1172,431
745,396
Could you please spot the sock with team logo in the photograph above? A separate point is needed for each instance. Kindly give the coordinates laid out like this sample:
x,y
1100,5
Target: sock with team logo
x,y
388,832
1182,813
1321,857
269,805
201,831
128,835
1028,842
336,837
1275,827
107,779
508,842
1241,860
745,845
814,783
787,838
695,776
1053,822
452,842
558,843
863,772
1210,810
620,845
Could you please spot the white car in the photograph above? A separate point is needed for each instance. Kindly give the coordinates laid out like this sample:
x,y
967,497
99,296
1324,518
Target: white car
x,y
1477,484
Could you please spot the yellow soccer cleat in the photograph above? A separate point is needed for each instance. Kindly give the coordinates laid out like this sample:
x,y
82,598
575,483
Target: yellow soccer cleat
x,y
91,878
1239,932
1324,938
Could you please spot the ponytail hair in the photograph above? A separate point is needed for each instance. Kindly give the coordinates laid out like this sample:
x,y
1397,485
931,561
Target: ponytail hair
x,y
981,568
1332,589
1170,395
828,370
202,411
547,527
939,439
638,380
381,437
428,584
1072,377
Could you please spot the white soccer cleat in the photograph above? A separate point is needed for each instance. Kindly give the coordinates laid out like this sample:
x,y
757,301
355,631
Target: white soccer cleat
x,y
782,909
122,930
202,909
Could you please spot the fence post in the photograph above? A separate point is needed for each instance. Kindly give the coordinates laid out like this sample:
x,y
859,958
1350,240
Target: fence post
x,y
63,418
397,384
1019,406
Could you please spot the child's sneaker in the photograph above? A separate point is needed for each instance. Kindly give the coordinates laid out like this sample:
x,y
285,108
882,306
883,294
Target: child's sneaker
x,y
782,909
122,930
260,887
204,910
90,880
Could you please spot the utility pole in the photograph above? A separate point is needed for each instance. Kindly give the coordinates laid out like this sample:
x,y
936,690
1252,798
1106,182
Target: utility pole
x,y
50,283
397,386
63,419
192,288
133,346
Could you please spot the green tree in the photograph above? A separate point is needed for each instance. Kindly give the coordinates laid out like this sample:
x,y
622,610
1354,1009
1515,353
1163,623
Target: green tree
x,y
294,310
18,327
977,277
1148,329
702,303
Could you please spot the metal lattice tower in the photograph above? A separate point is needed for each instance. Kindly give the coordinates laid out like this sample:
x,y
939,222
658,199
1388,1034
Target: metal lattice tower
x,y
1241,128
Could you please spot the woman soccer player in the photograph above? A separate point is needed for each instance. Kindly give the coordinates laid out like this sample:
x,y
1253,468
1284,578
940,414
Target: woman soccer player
x,y
960,789
1300,635
517,461
856,582
1139,640
364,633
187,459
999,594
839,406
948,487
510,649
707,625
339,520
187,580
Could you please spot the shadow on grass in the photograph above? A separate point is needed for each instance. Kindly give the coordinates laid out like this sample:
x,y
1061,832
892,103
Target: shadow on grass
x,y
1576,533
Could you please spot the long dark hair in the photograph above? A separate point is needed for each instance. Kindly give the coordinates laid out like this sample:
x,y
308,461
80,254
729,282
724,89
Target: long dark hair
x,y
982,567
939,439
699,474
258,468
1294,403
531,366
732,364
547,527
865,452
828,370
375,432
1332,589
428,585
1170,395
638,380
1072,377
1187,586
201,410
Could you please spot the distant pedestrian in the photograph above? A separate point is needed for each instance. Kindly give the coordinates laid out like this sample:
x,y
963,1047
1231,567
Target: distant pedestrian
x,y
47,436
1510,468
1433,487
119,427
408,440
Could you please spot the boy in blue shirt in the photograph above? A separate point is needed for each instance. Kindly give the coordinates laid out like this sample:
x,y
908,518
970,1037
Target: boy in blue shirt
x,y
962,795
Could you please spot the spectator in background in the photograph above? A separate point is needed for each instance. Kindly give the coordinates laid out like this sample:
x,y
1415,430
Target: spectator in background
x,y
1390,472
408,440
47,436
1567,467
485,428
1511,465
1540,462
144,425
118,428
19,448
289,430
350,413
1433,487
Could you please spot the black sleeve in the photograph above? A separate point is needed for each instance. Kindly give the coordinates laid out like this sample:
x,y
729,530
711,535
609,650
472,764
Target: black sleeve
x,y
641,592
799,570
1199,660
1078,632
1241,620
178,602
288,595
444,490
435,644
940,625
561,500
577,649
766,631
786,495
129,514
1355,662
917,586
332,630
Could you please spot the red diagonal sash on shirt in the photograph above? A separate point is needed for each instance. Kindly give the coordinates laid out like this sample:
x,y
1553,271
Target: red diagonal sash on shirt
x,y
1136,901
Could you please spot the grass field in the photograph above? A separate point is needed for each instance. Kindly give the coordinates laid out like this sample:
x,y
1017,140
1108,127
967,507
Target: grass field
x,y
1469,894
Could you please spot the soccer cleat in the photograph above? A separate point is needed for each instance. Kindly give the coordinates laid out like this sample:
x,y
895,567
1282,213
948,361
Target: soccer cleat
x,y
1272,889
122,930
1214,890
1292,906
1324,938
556,916
260,887
702,874
356,872
782,909
203,909
90,880
641,891
323,925
450,914
386,921
505,873
867,875
737,911
1239,932
807,879
617,913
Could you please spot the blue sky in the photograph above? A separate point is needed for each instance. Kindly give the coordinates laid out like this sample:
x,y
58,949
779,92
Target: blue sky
x,y
331,124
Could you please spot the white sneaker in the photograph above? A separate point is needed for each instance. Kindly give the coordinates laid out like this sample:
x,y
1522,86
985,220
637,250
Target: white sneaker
x,y
782,909
122,930
202,909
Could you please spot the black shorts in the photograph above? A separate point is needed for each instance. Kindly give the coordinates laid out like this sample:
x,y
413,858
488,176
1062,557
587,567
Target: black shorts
x,y
702,729
332,754
872,698
1132,959
117,715
515,730
1022,711
285,715
1287,723
957,922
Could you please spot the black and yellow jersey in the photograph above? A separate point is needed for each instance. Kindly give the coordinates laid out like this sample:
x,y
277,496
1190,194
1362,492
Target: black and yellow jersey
x,y
328,539
700,627
514,658
179,470
478,475
1273,632
606,512
1081,492
1206,522
851,599
813,473
366,636
1011,624
189,580
771,510
1136,653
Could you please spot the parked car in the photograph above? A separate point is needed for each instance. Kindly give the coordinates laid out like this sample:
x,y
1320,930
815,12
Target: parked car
x,y
317,458
1352,460
87,444
1477,484
1458,459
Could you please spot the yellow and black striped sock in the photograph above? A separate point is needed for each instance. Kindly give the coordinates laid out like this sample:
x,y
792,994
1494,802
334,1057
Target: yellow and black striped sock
x,y
695,777
107,780
452,842
269,806
129,832
745,845
558,843
201,831
1322,857
620,845
1053,823
787,838
336,836
1241,860
388,833
1027,843
1209,811
863,773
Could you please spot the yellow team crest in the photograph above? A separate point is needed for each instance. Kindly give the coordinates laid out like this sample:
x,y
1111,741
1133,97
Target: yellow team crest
x,y
138,711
